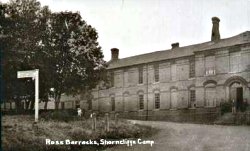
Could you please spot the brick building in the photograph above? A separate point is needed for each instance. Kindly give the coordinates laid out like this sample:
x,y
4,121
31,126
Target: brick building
x,y
195,77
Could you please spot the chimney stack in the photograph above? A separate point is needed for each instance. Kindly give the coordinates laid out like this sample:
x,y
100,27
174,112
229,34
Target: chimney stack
x,y
215,30
175,45
114,54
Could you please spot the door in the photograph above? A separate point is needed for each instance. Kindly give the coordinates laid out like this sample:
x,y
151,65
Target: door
x,y
239,99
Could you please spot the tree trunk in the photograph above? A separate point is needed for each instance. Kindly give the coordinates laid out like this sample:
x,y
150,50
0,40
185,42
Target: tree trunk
x,y
45,105
57,101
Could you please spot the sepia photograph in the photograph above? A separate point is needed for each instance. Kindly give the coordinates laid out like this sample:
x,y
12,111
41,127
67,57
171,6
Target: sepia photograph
x,y
125,75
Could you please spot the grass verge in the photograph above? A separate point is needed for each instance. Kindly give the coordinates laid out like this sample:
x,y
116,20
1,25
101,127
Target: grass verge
x,y
19,133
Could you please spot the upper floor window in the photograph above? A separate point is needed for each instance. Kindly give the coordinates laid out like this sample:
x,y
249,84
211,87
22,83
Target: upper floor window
x,y
157,100
141,101
210,65
156,73
173,72
234,62
140,75
112,79
191,69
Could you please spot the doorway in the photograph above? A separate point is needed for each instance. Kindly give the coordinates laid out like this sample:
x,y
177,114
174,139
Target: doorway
x,y
236,93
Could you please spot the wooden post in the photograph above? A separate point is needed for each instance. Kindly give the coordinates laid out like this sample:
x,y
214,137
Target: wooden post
x,y
93,116
107,122
116,119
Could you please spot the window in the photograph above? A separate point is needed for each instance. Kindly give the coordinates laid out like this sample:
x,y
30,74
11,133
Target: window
x,y
126,101
140,75
157,100
141,102
209,65
62,105
173,72
112,79
210,95
191,69
156,73
174,98
192,103
234,62
126,78
90,104
112,103
77,104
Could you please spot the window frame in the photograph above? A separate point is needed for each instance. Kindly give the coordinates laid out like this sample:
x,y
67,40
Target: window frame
x,y
141,101
112,80
140,75
191,69
112,99
156,73
192,98
157,100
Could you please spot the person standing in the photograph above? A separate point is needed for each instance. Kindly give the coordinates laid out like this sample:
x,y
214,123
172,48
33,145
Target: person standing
x,y
233,106
79,111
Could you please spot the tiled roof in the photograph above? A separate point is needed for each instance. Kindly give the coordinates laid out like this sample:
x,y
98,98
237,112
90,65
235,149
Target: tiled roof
x,y
180,52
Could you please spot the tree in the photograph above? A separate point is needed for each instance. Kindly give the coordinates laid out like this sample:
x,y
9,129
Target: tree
x,y
74,55
20,45
61,45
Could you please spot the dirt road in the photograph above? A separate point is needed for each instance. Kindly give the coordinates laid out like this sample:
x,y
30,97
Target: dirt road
x,y
193,137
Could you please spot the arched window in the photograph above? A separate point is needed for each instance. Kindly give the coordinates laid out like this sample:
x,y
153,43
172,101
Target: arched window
x,y
210,94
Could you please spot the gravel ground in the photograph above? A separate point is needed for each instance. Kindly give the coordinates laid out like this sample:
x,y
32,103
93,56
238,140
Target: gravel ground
x,y
193,137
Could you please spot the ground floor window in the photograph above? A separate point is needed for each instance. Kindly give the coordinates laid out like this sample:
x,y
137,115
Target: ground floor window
x,y
192,103
173,98
62,105
90,104
112,103
210,95
141,102
157,100
77,104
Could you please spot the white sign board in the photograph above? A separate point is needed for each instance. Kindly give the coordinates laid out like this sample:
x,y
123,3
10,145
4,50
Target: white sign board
x,y
32,74
26,74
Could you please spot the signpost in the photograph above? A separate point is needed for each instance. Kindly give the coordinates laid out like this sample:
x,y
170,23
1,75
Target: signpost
x,y
35,75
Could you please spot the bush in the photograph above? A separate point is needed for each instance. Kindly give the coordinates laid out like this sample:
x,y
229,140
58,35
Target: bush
x,y
59,115
226,107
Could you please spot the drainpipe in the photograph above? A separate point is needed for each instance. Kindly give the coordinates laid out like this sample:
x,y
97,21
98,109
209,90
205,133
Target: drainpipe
x,y
147,91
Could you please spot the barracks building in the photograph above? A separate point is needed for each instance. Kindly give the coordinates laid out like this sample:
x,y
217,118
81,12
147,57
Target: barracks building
x,y
190,79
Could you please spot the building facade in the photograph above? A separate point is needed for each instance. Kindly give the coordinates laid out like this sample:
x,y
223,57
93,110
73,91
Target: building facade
x,y
192,77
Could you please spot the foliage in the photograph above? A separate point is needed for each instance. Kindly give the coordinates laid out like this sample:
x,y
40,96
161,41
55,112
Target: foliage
x,y
59,115
19,134
226,107
61,45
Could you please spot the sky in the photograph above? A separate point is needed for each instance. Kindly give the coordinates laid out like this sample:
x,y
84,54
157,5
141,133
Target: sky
x,y
142,26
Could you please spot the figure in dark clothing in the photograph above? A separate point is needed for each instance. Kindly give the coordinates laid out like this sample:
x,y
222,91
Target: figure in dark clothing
x,y
233,106
244,105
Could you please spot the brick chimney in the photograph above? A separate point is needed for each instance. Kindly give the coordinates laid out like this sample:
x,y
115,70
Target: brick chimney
x,y
215,30
114,54
175,45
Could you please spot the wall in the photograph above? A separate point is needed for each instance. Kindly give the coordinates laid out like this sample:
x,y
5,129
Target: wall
x,y
126,81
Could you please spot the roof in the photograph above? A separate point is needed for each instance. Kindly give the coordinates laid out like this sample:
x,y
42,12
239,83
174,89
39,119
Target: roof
x,y
180,51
